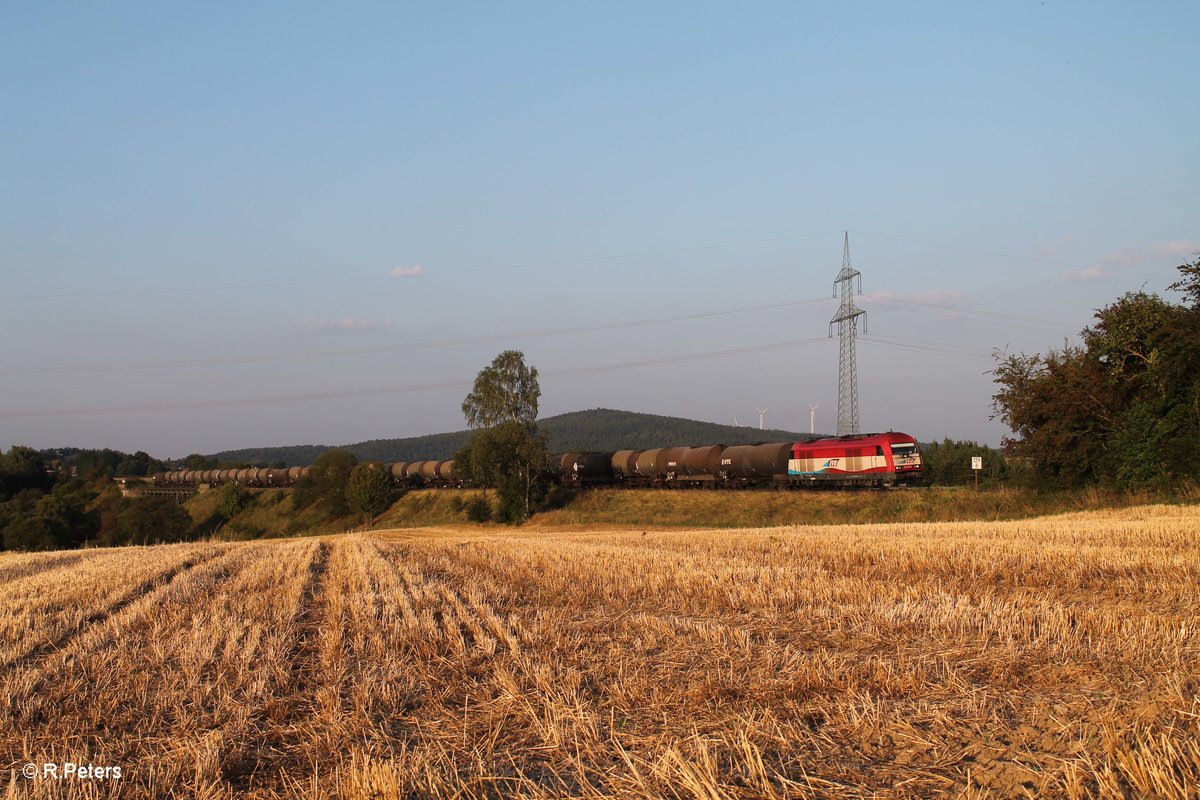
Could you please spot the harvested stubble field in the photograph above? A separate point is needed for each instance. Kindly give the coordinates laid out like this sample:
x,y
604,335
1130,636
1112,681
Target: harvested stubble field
x,y
1051,657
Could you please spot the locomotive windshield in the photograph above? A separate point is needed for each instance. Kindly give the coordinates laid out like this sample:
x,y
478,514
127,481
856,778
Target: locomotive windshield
x,y
904,449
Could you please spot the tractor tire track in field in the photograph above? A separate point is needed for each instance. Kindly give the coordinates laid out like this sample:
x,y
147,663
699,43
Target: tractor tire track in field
x,y
45,563
100,616
305,662
275,751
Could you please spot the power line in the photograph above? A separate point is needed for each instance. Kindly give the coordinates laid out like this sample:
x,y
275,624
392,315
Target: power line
x,y
952,314
408,346
995,314
1013,257
879,341
898,343
346,393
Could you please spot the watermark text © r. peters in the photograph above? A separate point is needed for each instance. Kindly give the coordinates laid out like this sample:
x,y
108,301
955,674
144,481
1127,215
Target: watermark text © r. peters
x,y
69,770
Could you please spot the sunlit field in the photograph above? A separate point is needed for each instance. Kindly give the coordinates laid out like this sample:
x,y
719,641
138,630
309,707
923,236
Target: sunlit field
x,y
1057,656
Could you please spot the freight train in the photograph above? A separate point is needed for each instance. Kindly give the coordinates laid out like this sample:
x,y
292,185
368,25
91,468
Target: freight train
x,y
876,459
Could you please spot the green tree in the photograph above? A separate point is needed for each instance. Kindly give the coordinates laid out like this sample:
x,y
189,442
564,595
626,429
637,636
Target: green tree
x,y
948,463
326,482
140,463
1059,413
235,499
23,468
1126,340
151,521
98,462
31,533
16,530
197,461
1189,282
509,458
108,505
505,391
506,453
369,491
1123,408
67,509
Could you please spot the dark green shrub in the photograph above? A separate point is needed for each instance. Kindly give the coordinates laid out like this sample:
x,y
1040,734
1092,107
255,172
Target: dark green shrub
x,y
479,509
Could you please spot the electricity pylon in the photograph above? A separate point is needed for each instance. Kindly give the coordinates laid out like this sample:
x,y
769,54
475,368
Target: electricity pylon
x,y
847,324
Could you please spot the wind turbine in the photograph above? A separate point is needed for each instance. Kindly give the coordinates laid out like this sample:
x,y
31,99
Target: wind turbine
x,y
736,424
761,411
812,419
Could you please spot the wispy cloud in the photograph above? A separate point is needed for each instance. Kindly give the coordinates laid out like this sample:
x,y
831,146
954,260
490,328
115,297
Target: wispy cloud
x,y
944,298
1177,248
350,324
1086,274
1053,249
404,272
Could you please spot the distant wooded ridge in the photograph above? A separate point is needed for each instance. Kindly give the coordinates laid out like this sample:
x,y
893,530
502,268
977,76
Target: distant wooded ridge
x,y
600,429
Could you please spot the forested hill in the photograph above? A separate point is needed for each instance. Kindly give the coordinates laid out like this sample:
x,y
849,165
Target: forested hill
x,y
598,429
604,429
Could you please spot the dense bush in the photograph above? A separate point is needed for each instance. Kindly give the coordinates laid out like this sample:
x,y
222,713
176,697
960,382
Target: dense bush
x,y
235,499
479,509
369,491
23,468
948,463
326,483
147,520
509,458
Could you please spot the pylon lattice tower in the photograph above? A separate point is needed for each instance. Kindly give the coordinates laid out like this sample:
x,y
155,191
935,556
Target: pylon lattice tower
x,y
846,320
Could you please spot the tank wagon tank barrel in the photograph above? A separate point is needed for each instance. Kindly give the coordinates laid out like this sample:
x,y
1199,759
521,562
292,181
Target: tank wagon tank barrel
x,y
624,464
587,467
702,461
647,464
671,461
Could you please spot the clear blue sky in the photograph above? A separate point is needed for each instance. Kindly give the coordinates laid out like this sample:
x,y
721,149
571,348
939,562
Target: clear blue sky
x,y
232,183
